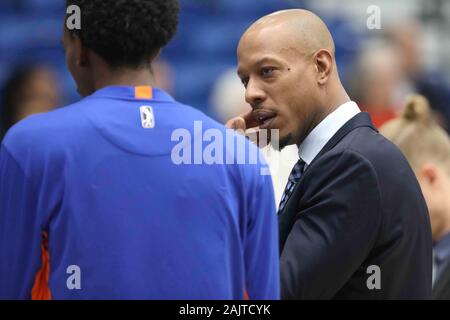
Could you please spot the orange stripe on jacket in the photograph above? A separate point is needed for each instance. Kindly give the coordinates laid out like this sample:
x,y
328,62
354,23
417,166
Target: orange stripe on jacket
x,y
40,290
143,92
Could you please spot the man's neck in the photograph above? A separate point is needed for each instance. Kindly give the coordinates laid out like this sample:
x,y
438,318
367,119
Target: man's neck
x,y
124,77
338,99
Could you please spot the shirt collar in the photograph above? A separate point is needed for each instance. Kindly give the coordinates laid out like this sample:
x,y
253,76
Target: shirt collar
x,y
325,130
139,93
442,248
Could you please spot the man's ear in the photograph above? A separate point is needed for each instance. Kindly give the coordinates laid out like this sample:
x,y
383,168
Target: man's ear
x,y
81,53
324,65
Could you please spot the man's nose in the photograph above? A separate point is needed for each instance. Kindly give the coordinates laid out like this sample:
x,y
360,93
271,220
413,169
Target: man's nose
x,y
254,95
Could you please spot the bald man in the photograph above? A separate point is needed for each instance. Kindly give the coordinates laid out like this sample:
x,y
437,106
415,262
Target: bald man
x,y
353,221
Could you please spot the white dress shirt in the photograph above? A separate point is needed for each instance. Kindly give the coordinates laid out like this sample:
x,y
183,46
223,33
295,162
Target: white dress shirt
x,y
325,130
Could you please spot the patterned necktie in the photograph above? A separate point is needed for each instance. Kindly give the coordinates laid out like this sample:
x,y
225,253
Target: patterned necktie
x,y
294,177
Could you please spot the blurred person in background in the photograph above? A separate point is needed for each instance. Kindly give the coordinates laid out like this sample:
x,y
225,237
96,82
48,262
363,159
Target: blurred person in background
x,y
228,96
30,89
228,101
407,37
427,147
376,82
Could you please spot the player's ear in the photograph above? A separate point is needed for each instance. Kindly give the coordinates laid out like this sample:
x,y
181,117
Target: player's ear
x,y
81,53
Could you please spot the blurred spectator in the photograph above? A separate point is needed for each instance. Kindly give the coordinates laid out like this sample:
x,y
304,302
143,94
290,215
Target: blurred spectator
x,y
407,37
376,82
427,148
30,89
228,101
228,97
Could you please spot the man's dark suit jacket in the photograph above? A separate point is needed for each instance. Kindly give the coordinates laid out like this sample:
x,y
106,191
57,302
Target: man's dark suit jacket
x,y
441,290
358,204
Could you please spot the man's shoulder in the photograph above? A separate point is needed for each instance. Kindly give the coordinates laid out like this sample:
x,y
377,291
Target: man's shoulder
x,y
366,155
189,115
369,145
364,147
43,130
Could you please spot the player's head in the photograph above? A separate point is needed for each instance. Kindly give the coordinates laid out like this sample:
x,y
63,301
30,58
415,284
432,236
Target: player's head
x,y
427,148
287,63
118,34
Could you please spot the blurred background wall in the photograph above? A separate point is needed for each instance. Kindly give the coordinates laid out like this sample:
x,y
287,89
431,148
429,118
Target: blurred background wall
x,y
410,53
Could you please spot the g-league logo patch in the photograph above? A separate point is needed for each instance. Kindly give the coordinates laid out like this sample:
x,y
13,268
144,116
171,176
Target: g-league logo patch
x,y
147,117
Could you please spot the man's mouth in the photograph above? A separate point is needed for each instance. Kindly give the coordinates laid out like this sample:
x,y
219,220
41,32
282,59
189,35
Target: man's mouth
x,y
264,118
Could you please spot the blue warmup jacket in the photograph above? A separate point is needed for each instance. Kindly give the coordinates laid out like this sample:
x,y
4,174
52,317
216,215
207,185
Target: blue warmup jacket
x,y
95,204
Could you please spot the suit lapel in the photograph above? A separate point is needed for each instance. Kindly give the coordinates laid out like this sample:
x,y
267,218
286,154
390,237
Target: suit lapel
x,y
287,216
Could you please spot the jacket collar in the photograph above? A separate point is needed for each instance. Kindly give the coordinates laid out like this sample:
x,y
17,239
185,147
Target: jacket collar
x,y
362,119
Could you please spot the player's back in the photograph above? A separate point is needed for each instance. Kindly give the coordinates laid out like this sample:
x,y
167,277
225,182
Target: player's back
x,y
130,207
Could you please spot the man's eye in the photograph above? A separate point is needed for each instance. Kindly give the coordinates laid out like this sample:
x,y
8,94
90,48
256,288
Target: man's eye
x,y
245,82
266,71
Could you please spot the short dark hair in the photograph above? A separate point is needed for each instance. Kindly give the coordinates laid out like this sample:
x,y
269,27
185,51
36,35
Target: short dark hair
x,y
126,33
